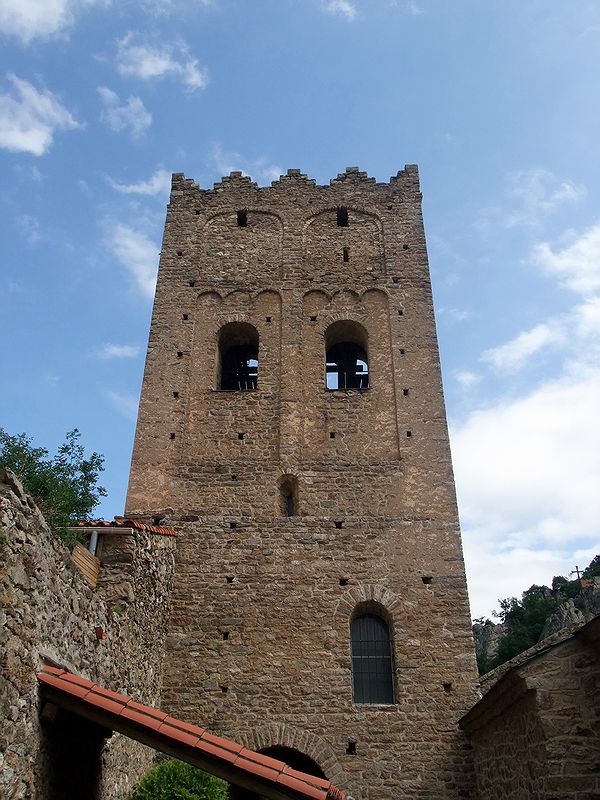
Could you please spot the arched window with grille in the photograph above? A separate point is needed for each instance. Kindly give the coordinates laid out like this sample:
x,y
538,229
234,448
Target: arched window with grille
x,y
372,670
238,357
346,360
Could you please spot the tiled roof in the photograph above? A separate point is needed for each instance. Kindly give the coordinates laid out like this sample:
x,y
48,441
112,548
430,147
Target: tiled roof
x,y
123,522
197,746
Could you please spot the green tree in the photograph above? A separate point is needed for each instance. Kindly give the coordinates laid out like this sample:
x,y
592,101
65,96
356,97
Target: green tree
x,y
64,486
525,619
176,780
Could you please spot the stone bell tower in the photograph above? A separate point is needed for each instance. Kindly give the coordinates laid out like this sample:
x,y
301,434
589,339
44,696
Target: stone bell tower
x,y
292,427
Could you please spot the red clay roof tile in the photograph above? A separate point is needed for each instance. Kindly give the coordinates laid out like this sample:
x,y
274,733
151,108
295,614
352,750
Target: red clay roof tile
x,y
143,719
104,703
184,726
176,733
256,769
226,744
297,785
266,761
301,786
294,773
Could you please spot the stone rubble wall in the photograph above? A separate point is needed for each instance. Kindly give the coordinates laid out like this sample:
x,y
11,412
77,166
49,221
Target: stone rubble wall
x,y
49,614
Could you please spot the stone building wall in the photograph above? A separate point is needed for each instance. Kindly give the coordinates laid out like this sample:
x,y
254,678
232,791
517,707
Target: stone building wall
x,y
259,642
536,731
49,614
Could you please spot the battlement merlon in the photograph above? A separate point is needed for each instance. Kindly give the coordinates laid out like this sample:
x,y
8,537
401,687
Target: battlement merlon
x,y
239,188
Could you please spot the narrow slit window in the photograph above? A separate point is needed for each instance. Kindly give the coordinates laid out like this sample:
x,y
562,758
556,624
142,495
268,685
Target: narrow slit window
x,y
342,217
289,496
242,218
346,254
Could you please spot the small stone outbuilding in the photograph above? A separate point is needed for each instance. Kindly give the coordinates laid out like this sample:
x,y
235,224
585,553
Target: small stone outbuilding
x,y
536,731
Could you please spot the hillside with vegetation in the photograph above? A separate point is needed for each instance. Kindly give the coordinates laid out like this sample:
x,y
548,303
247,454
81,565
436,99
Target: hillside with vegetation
x,y
541,611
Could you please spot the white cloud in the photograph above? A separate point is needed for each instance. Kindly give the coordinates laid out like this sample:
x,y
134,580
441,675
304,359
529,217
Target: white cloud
x,y
132,114
531,195
30,118
577,266
259,169
466,379
528,470
30,227
137,253
141,60
513,355
31,19
343,7
125,403
109,351
158,183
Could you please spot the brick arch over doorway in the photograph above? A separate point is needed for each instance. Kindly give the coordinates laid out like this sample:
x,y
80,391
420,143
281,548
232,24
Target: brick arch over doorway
x,y
309,744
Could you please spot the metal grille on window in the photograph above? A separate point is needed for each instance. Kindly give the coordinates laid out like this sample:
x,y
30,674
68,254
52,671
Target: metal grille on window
x,y
347,367
239,369
371,660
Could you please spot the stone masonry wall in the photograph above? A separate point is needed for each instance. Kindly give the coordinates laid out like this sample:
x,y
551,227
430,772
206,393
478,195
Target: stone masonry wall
x,y
536,732
258,647
49,614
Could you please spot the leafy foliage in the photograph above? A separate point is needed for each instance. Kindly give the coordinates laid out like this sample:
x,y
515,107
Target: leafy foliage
x,y
175,780
64,486
524,619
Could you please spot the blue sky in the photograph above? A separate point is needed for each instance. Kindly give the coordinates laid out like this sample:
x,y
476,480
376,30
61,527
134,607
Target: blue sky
x,y
498,103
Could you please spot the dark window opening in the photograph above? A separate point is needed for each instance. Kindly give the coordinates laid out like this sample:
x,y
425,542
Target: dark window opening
x,y
346,361
240,436
447,687
242,219
427,579
180,354
289,496
332,434
400,312
342,217
224,689
347,367
313,318
225,635
351,749
408,434
171,436
230,578
192,283
338,523
372,676
346,254
186,316
405,247
238,347
394,280
175,395
343,581
268,319
405,392
233,524
402,351
180,252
